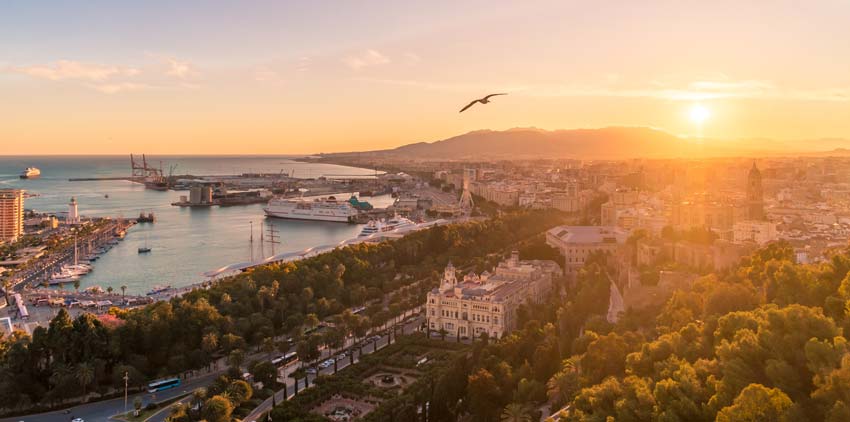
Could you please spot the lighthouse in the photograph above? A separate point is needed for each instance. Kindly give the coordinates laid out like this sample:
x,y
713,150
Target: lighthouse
x,y
73,215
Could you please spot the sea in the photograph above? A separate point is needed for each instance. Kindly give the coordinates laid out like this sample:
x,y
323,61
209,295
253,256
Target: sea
x,y
185,242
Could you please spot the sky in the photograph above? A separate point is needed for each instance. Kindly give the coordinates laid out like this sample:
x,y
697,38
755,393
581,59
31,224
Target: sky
x,y
286,77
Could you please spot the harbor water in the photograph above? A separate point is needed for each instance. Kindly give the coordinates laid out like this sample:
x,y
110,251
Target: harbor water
x,y
185,242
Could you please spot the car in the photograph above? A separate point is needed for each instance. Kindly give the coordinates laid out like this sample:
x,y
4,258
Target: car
x,y
77,420
310,370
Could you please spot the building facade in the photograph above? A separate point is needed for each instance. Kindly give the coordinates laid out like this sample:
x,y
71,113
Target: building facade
x,y
11,214
755,195
576,243
488,302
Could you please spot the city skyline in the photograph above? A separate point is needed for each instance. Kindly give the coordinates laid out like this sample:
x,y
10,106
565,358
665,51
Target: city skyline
x,y
289,78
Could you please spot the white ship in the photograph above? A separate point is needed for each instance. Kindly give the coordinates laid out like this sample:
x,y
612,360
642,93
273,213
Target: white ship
x,y
30,173
325,209
383,226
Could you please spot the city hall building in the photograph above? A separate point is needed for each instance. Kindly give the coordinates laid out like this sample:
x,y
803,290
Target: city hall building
x,y
488,302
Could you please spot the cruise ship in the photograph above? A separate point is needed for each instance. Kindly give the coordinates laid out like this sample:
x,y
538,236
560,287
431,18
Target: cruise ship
x,y
30,173
383,226
325,209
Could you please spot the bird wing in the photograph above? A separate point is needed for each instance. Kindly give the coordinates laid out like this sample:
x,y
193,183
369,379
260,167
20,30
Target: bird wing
x,y
493,95
468,106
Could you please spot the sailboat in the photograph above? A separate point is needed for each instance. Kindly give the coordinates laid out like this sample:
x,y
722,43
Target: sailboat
x,y
145,249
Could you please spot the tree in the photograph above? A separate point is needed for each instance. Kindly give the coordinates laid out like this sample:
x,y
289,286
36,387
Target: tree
x,y
757,403
209,343
137,404
236,358
563,386
217,409
123,292
109,290
265,373
268,346
199,395
483,394
239,392
516,412
85,375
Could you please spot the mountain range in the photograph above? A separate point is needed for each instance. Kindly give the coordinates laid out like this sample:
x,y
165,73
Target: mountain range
x,y
602,143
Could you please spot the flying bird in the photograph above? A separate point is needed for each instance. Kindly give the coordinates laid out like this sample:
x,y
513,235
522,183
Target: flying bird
x,y
484,100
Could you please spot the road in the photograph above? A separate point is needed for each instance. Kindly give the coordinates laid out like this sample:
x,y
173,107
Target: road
x,y
103,410
266,405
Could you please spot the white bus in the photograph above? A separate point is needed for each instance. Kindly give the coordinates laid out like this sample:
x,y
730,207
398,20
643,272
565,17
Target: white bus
x,y
285,360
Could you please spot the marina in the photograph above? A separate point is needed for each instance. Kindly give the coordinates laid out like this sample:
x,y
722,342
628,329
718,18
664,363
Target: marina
x,y
185,242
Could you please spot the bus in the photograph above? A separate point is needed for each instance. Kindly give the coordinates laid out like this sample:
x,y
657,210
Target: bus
x,y
285,360
163,385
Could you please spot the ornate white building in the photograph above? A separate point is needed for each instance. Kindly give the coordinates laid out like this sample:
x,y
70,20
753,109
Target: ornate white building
x,y
487,302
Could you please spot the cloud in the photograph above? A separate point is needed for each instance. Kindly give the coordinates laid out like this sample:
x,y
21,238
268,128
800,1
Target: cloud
x,y
178,68
411,58
74,70
118,87
264,74
157,72
303,63
365,59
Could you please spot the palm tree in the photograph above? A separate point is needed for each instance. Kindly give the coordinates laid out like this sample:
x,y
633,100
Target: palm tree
x,y
123,292
85,375
7,285
77,285
109,290
198,397
516,412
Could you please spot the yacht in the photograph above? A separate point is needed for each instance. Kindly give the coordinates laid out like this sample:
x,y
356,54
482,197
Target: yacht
x,y
383,226
64,276
324,209
30,173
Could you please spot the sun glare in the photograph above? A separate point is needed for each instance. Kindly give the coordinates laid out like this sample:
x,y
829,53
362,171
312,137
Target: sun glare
x,y
699,114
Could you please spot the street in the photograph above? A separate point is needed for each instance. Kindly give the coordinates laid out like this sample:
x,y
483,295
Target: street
x,y
104,410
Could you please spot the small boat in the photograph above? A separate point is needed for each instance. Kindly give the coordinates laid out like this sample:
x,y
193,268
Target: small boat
x,y
106,196
145,249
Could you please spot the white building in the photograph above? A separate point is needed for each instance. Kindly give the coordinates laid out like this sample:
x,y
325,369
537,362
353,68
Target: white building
x,y
576,243
487,303
11,214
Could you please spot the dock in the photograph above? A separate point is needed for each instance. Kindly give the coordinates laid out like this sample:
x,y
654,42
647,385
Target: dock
x,y
95,179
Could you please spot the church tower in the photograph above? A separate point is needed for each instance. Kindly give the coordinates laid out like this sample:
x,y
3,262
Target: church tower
x,y
755,196
449,278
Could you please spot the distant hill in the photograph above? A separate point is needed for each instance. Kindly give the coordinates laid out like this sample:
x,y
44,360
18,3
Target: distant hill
x,y
603,143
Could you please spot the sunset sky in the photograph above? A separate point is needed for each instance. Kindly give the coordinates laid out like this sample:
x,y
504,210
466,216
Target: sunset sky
x,y
289,77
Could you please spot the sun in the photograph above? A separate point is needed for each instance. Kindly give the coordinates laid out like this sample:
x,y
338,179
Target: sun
x,y
699,114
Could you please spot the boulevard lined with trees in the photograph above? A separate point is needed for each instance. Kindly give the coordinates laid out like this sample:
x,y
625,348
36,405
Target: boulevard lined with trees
x,y
83,358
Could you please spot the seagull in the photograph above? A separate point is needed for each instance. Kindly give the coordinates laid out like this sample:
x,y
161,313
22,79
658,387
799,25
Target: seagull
x,y
484,100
